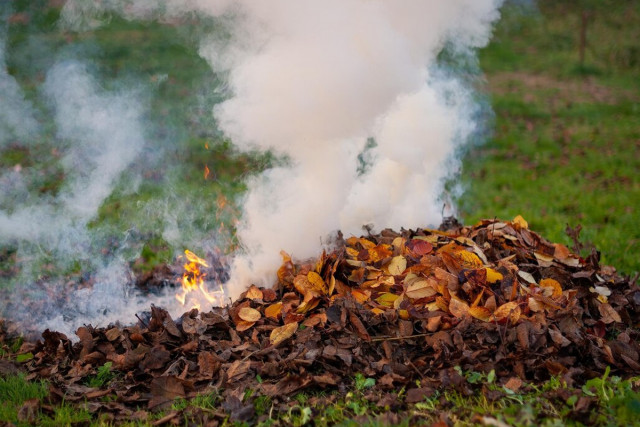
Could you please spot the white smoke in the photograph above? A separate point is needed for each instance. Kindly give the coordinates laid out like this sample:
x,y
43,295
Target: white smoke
x,y
314,81
17,121
99,135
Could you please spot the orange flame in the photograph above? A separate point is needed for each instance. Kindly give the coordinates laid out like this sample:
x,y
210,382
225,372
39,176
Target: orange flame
x,y
194,286
206,171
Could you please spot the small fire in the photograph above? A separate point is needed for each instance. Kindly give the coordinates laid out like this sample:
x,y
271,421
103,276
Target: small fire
x,y
194,287
206,171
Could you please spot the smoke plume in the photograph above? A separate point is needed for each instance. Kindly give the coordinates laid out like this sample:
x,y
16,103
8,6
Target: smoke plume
x,y
316,81
352,97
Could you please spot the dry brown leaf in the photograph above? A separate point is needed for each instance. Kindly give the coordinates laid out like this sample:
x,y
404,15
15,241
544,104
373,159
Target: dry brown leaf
x,y
253,293
317,283
421,289
609,314
458,308
282,333
249,314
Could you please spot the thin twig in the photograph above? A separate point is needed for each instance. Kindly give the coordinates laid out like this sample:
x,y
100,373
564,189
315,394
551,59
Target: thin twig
x,y
398,338
142,321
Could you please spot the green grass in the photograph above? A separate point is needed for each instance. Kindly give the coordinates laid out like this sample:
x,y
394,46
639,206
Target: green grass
x,y
565,145
14,391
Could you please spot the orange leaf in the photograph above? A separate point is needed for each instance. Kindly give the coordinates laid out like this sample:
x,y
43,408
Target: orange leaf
x,y
243,325
286,269
249,314
481,313
380,252
510,311
551,288
404,314
274,311
361,296
282,333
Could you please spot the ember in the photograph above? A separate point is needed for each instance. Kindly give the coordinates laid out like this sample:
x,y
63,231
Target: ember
x,y
397,307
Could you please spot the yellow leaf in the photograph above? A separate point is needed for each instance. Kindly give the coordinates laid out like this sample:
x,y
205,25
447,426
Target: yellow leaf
x,y
551,288
353,253
274,311
493,276
518,220
404,314
481,313
458,308
468,259
377,310
387,299
332,284
397,265
282,333
318,284
307,305
249,314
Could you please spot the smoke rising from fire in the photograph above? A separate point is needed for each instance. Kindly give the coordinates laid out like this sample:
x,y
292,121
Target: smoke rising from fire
x,y
351,96
316,81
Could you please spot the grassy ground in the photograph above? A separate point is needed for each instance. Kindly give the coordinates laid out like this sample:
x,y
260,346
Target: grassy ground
x,y
565,150
566,141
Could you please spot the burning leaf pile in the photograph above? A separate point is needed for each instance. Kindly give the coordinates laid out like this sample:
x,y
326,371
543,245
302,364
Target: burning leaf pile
x,y
396,307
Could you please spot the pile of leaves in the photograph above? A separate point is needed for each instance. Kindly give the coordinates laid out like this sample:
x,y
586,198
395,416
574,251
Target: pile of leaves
x,y
408,309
